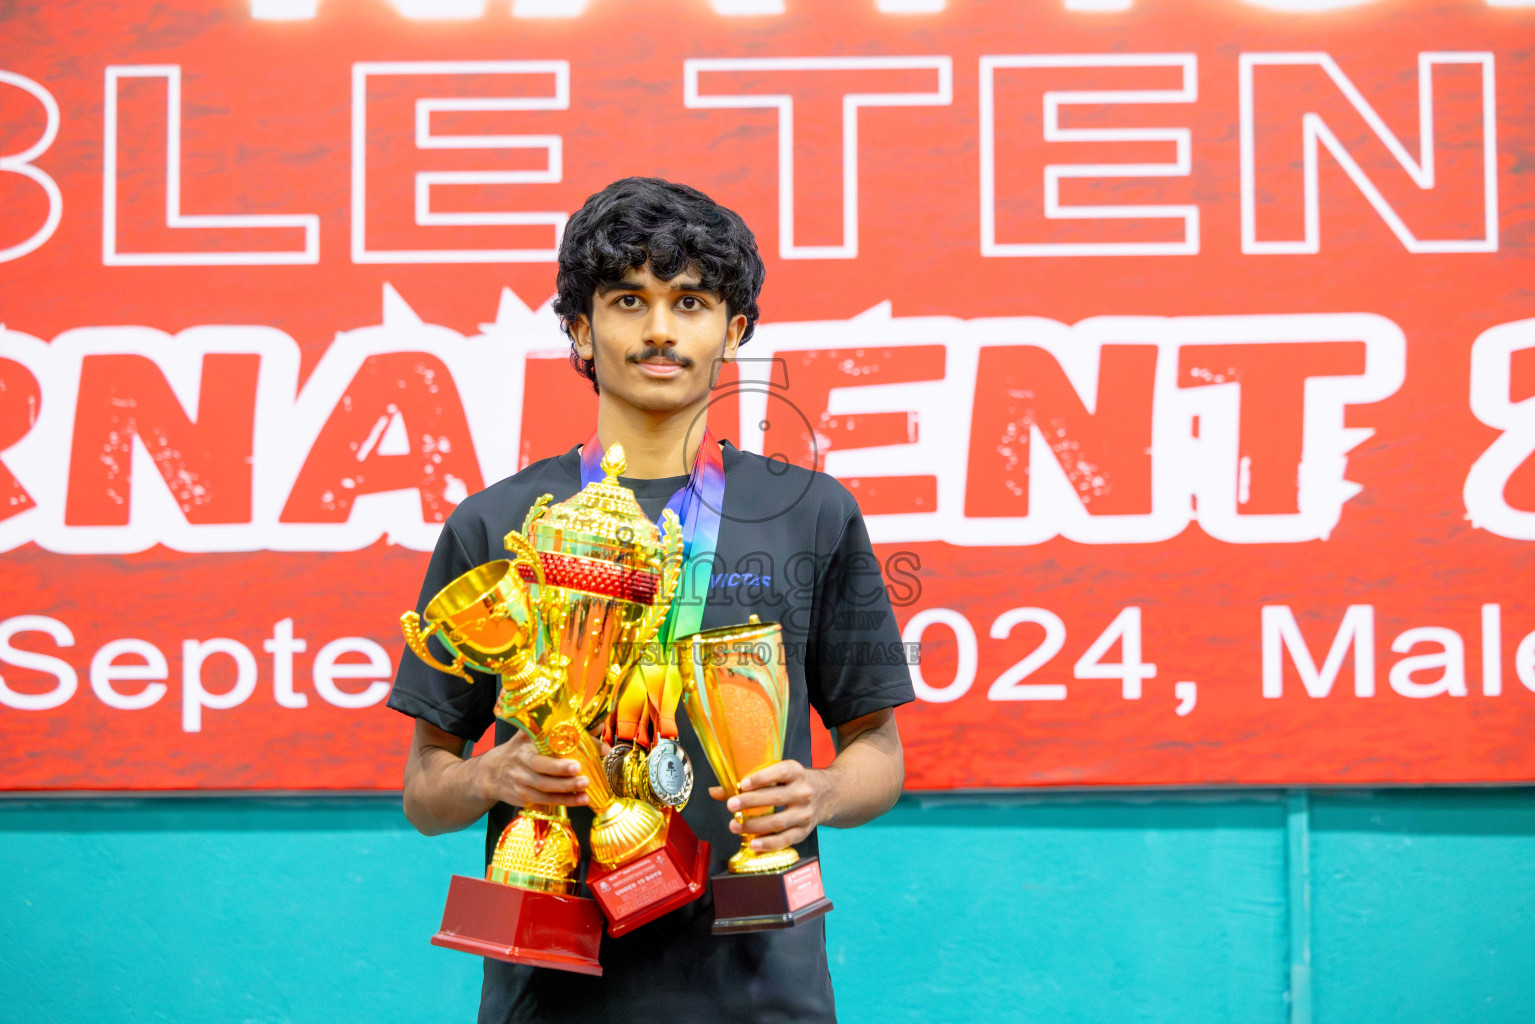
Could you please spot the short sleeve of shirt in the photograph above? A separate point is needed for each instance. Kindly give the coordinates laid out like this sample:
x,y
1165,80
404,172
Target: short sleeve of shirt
x,y
855,659
424,692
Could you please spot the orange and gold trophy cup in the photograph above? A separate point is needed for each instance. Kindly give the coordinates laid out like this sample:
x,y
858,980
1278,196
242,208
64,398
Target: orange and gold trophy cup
x,y
562,622
736,695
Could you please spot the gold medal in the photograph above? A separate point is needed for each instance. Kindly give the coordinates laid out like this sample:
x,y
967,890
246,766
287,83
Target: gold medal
x,y
613,767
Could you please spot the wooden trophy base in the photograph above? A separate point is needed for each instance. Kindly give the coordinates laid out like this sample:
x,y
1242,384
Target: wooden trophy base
x,y
642,890
521,926
778,899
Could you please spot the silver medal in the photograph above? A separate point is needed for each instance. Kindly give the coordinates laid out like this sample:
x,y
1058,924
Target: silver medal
x,y
671,773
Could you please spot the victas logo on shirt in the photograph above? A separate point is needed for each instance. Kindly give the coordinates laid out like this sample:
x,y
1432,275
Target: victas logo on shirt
x,y
732,580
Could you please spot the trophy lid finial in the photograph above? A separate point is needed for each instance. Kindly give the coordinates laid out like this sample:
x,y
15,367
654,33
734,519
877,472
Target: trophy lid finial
x,y
613,462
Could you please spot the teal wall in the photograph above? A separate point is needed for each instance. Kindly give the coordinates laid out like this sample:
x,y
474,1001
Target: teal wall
x,y
1414,906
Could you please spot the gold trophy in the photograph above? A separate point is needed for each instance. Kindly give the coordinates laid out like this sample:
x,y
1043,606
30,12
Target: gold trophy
x,y
609,576
561,622
736,694
525,911
604,585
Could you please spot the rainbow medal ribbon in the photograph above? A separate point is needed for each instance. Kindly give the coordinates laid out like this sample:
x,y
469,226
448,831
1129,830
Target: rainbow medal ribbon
x,y
697,507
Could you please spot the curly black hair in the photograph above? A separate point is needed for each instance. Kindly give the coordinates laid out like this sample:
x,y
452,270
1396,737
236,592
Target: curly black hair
x,y
672,227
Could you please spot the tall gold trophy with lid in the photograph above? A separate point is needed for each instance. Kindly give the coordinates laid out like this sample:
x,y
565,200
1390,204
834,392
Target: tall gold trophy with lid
x,y
562,622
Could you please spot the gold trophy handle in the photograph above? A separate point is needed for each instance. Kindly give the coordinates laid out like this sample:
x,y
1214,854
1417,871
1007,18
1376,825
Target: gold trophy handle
x,y
535,513
523,553
655,615
671,562
415,639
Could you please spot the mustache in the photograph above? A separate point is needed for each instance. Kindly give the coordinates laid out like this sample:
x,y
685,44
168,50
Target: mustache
x,y
663,354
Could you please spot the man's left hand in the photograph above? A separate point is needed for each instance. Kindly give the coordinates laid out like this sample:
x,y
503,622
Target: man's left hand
x,y
799,792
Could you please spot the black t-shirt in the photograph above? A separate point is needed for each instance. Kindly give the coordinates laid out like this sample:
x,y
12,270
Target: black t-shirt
x,y
792,549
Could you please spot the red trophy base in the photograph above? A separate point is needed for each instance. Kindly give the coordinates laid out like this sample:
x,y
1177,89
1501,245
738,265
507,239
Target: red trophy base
x,y
779,899
642,890
521,926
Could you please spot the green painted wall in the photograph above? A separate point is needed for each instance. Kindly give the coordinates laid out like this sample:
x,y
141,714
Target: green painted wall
x,y
1102,909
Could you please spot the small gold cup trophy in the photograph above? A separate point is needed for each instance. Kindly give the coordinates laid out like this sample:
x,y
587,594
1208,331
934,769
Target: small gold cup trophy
x,y
736,694
562,622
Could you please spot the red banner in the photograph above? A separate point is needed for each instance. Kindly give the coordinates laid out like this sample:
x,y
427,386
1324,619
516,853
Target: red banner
x,y
1174,349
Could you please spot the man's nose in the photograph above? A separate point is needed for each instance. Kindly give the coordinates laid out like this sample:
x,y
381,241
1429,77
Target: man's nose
x,y
661,325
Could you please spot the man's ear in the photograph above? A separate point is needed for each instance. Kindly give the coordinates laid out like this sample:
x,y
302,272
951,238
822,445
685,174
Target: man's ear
x,y
733,332
581,336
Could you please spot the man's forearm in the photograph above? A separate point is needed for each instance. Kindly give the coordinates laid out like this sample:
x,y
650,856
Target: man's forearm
x,y
441,792
445,791
866,777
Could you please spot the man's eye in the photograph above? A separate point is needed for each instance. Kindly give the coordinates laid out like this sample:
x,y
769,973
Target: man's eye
x,y
691,302
628,301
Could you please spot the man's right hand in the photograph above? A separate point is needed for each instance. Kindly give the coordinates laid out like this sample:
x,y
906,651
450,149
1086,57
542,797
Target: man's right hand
x,y
446,790
516,773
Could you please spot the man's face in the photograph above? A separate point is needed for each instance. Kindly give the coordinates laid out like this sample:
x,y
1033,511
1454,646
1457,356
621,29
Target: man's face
x,y
655,342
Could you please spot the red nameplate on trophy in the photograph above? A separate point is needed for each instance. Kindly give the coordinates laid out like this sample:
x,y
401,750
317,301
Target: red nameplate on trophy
x,y
642,890
521,926
776,899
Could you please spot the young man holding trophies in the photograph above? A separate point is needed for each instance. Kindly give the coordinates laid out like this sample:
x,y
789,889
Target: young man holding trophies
x,y
657,287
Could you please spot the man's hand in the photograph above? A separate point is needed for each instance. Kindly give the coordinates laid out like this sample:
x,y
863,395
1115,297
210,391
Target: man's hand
x,y
446,790
789,785
516,773
862,783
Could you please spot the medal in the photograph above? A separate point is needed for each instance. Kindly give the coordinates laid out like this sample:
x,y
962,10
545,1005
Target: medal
x,y
633,773
613,767
670,773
